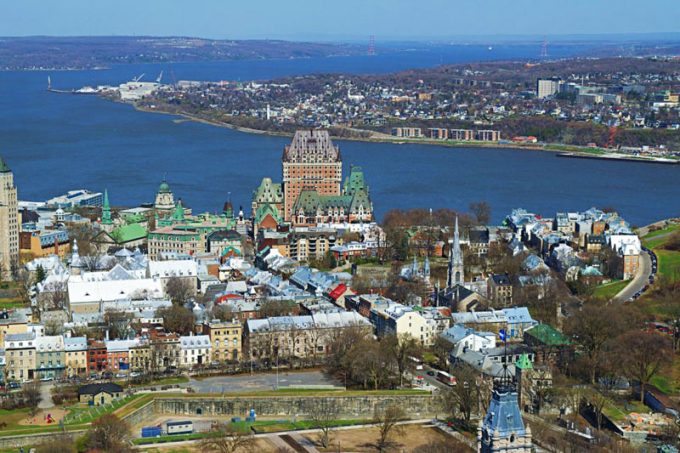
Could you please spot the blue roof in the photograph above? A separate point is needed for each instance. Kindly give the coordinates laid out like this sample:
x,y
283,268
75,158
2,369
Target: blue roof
x,y
504,416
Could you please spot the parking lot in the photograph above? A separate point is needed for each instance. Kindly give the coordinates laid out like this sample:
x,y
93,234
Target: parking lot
x,y
260,381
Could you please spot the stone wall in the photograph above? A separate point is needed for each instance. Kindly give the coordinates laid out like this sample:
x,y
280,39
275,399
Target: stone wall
x,y
415,406
33,440
141,415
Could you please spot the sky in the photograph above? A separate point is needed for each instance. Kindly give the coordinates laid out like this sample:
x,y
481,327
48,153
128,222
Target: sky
x,y
337,19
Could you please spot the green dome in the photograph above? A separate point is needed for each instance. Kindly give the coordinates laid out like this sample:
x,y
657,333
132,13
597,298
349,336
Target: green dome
x,y
164,187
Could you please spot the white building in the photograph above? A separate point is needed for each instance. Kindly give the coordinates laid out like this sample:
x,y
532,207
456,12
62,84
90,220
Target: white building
x,y
195,350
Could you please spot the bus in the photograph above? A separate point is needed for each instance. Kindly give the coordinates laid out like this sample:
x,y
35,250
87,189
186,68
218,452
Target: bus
x,y
446,378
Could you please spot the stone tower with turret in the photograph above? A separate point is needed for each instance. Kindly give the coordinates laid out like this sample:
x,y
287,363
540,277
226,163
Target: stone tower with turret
x,y
9,222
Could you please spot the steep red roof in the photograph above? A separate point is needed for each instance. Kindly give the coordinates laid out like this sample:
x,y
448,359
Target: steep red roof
x,y
338,291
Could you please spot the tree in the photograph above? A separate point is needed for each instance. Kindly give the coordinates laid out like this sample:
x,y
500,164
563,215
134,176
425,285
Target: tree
x,y
179,290
593,327
642,355
57,444
31,395
119,323
40,274
387,420
225,439
272,307
400,349
481,211
462,399
323,414
109,433
177,319
441,349
223,312
597,401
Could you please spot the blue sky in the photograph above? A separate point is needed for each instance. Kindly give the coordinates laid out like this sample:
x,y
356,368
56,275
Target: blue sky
x,y
338,19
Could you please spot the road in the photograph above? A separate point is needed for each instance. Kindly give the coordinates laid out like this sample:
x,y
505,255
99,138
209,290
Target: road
x,y
639,281
261,381
46,395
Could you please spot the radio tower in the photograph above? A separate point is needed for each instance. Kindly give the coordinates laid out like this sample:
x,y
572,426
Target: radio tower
x,y
371,45
544,48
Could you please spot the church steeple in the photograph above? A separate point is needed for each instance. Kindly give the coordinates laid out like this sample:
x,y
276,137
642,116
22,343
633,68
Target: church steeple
x,y
456,269
106,210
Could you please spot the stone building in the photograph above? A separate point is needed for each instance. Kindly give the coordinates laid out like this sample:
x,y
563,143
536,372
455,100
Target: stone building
x,y
311,161
311,192
165,200
9,222
298,336
225,337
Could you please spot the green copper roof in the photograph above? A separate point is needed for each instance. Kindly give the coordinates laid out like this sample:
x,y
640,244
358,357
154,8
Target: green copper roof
x,y
268,192
548,335
355,181
178,215
3,166
524,363
265,209
128,233
164,187
106,210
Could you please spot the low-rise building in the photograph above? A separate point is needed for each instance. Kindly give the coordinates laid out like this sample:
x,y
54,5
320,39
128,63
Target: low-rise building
x,y
195,350
75,356
500,290
99,394
225,337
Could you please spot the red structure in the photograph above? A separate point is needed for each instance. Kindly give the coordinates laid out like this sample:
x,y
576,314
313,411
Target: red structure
x,y
96,356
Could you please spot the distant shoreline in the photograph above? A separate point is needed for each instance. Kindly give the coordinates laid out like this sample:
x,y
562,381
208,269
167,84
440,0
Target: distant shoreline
x,y
559,150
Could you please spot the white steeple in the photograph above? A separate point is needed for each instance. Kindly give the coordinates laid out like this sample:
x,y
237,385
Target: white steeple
x,y
455,271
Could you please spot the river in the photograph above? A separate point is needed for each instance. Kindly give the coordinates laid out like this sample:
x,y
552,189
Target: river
x,y
56,142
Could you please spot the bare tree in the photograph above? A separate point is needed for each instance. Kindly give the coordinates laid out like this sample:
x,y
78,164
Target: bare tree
x,y
223,312
642,355
387,420
177,319
58,444
179,290
225,439
400,349
597,401
119,323
109,433
93,262
481,211
324,412
462,399
30,393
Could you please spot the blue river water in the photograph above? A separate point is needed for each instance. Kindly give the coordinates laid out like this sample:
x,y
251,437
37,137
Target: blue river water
x,y
56,142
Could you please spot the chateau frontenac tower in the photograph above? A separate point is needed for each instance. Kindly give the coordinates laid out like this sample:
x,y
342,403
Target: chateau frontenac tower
x,y
310,162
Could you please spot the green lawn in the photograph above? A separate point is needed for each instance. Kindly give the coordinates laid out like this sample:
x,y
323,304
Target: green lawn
x,y
264,426
81,413
668,229
669,263
611,289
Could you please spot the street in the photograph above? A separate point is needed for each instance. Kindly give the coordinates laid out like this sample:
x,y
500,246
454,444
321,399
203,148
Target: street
x,y
639,281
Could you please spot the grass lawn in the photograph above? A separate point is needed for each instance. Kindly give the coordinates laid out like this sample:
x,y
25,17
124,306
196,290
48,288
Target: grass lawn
x,y
12,418
668,381
264,426
12,303
668,229
669,263
611,289
81,413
